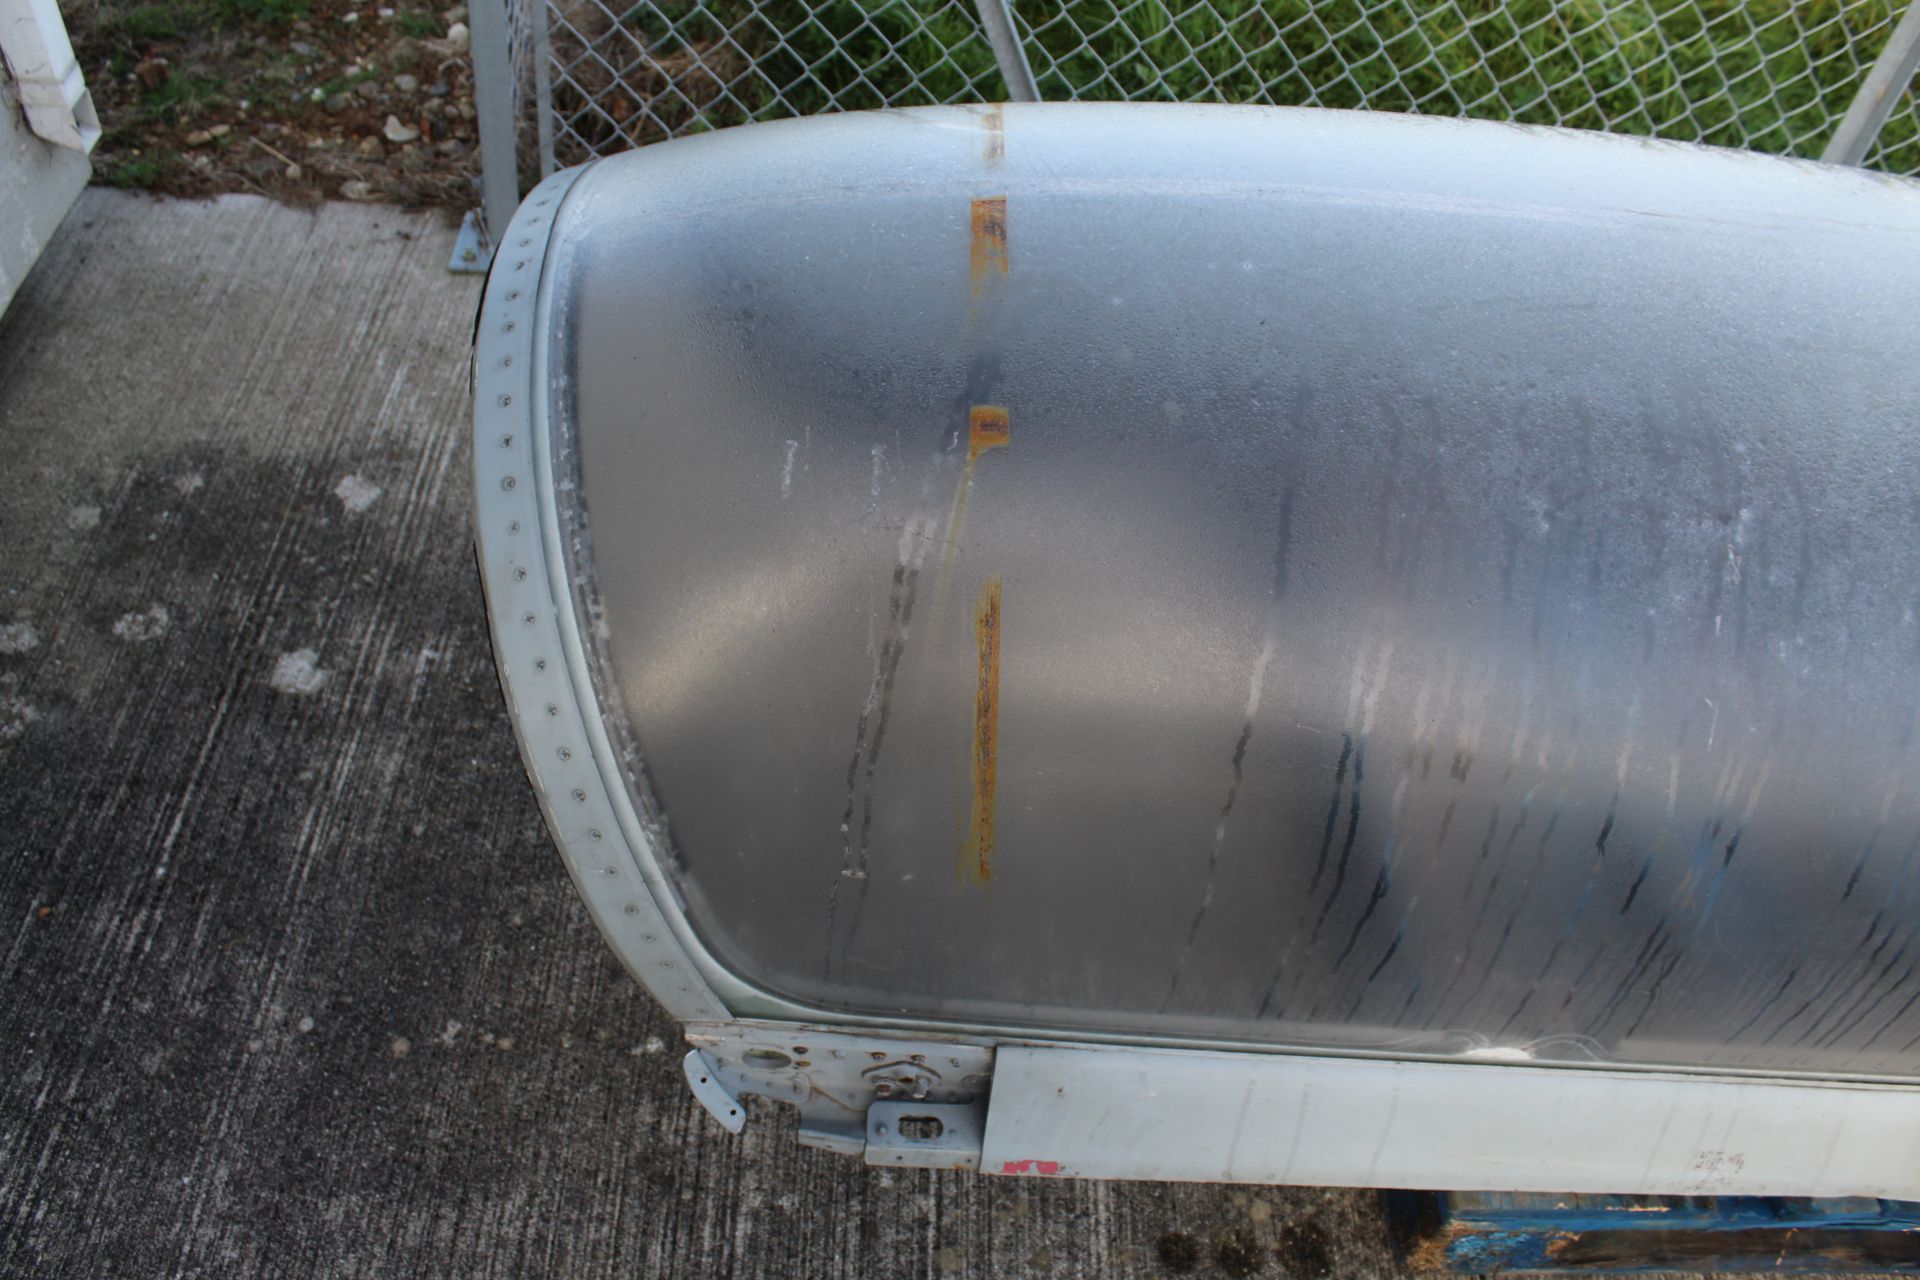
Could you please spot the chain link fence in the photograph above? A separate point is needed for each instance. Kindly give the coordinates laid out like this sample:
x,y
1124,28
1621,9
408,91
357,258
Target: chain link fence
x,y
591,77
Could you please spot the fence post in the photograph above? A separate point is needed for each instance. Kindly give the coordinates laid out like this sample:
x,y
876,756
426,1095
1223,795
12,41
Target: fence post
x,y
997,17
493,103
541,17
1891,73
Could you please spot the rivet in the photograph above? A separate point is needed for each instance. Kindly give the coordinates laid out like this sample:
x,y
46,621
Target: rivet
x,y
506,482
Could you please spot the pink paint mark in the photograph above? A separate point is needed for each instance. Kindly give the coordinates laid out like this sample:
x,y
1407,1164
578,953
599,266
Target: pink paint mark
x,y
1049,1167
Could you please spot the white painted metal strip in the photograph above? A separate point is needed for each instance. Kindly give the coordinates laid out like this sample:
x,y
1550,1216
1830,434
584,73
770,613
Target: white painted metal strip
x,y
1178,1116
34,43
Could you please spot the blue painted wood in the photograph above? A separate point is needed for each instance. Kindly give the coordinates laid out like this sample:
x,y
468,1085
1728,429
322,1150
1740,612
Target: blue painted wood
x,y
1474,1233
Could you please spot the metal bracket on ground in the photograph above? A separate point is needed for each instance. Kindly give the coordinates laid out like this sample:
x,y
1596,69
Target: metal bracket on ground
x,y
472,253
835,1078
706,1086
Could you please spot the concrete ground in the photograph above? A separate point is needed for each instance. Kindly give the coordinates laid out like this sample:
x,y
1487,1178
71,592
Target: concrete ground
x,y
291,980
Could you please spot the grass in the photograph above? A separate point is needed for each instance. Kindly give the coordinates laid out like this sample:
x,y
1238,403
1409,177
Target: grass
x,y
1773,75
166,20
418,25
140,171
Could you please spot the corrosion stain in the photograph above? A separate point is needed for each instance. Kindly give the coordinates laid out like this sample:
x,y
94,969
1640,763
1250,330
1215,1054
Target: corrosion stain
x,y
988,427
986,732
996,125
989,256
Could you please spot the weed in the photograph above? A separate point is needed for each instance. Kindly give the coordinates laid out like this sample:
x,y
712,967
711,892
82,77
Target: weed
x,y
420,26
180,97
137,171
275,14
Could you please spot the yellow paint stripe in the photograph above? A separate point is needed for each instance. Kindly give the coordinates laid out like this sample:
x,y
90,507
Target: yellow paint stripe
x,y
989,426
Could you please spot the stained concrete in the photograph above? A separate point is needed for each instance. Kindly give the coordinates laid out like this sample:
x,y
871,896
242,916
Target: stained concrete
x,y
291,981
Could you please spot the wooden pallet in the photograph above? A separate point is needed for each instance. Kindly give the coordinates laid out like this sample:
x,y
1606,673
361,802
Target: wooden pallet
x,y
1480,1233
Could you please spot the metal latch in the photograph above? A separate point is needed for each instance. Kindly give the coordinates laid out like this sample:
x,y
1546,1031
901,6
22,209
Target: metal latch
x,y
924,1135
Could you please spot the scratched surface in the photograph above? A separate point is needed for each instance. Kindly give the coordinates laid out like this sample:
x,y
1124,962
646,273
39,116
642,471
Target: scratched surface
x,y
1456,584
262,821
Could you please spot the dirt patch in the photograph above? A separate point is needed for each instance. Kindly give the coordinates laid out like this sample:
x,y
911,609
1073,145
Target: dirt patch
x,y
1304,1251
1178,1252
1239,1255
299,100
